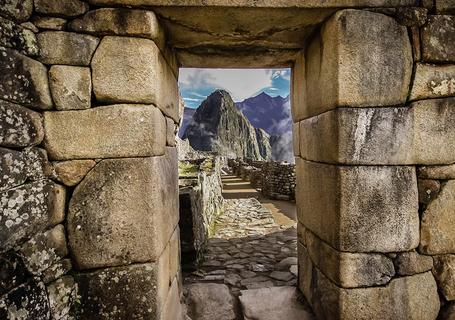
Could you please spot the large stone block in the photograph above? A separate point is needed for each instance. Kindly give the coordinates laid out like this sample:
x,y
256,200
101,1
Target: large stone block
x,y
296,138
15,37
20,167
432,81
409,263
105,132
63,297
18,10
24,80
358,59
28,301
133,70
349,270
210,301
61,8
423,133
414,297
71,87
438,39
138,292
19,126
437,233
124,211
29,209
135,23
359,209
49,23
444,272
60,47
172,309
437,172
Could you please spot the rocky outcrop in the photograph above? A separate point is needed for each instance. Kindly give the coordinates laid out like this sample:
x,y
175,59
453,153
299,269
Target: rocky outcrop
x,y
218,126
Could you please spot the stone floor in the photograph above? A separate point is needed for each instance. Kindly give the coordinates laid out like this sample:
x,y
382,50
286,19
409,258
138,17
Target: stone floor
x,y
249,250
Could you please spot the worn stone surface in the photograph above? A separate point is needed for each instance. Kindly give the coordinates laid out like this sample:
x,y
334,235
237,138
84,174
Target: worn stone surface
x,y
68,48
72,172
133,70
428,190
413,297
170,132
17,10
63,295
359,209
401,135
411,16
28,301
44,250
137,291
437,226
61,8
71,87
207,301
298,88
366,42
135,23
12,271
444,272
49,23
438,39
349,270
28,209
173,310
437,172
409,263
105,132
24,80
445,6
16,37
102,208
56,271
274,303
296,138
432,81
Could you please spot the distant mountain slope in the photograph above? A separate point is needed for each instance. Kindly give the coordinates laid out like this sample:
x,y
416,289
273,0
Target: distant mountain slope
x,y
187,116
272,114
219,126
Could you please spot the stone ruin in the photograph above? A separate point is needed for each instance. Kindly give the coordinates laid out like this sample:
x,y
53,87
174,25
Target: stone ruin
x,y
89,183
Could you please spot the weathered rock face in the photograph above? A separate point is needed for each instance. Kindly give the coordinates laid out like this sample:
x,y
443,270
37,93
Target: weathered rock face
x,y
409,263
263,141
444,272
71,87
28,301
19,126
433,81
120,22
105,132
63,295
107,293
24,80
219,126
437,172
72,172
365,42
209,301
29,209
62,8
438,39
17,10
102,209
18,38
359,209
437,225
49,23
133,70
57,47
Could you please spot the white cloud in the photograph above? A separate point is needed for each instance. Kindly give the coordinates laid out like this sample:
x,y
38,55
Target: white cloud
x,y
191,99
241,83
198,95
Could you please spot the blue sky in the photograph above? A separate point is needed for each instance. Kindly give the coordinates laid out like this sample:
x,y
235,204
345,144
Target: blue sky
x,y
196,84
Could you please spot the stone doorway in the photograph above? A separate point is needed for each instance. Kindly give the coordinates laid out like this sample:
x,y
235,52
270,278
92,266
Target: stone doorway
x,y
374,127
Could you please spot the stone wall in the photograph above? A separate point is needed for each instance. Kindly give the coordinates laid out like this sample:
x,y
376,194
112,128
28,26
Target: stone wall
x,y
374,138
201,202
88,184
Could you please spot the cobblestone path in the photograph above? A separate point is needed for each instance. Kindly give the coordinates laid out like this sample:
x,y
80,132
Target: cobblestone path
x,y
249,250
